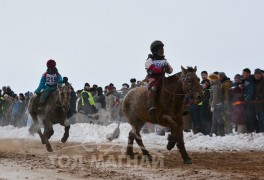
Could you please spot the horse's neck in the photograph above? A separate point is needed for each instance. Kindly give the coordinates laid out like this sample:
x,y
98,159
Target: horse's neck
x,y
173,84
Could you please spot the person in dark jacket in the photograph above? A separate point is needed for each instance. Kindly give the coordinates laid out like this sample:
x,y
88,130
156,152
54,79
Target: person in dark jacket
x,y
249,96
9,91
99,97
206,113
21,112
259,96
236,94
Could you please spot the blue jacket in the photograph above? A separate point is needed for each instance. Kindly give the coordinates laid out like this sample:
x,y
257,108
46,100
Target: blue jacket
x,y
249,87
15,109
49,78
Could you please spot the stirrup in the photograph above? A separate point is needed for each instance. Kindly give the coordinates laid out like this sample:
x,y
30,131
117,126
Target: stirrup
x,y
152,110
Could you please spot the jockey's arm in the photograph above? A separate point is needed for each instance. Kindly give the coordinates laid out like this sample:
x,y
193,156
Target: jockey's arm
x,y
59,80
41,85
168,69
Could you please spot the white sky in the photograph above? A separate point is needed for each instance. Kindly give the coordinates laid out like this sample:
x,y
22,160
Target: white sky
x,y
103,41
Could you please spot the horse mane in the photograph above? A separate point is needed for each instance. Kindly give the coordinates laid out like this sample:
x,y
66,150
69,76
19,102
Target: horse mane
x,y
190,69
178,74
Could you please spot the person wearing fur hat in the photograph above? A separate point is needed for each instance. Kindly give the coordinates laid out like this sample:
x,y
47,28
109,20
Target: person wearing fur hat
x,y
156,66
259,96
110,100
225,86
49,82
133,83
249,95
216,105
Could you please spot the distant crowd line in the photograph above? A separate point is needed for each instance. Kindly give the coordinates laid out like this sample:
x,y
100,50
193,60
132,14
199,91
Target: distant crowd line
x,y
228,105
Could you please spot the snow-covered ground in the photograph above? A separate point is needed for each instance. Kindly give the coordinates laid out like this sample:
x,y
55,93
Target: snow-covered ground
x,y
89,133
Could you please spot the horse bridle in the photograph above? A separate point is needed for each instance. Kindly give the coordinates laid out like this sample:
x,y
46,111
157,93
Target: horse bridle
x,y
184,78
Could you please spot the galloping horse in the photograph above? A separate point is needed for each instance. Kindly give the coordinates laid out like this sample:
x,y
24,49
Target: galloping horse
x,y
169,102
56,109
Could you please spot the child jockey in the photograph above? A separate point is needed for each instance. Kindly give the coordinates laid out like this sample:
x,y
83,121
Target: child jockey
x,y
156,65
49,82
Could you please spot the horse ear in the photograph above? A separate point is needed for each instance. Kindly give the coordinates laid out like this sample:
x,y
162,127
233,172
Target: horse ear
x,y
184,71
195,68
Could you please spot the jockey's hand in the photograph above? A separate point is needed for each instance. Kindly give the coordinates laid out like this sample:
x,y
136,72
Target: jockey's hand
x,y
38,94
166,68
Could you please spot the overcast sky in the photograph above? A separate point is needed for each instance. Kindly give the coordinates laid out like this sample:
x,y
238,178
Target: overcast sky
x,y
103,41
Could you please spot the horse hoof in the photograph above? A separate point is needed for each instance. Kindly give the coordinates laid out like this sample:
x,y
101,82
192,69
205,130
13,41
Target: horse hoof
x,y
50,149
171,145
130,156
147,157
189,161
63,140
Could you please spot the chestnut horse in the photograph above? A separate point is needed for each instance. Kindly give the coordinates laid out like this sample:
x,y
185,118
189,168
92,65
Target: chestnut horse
x,y
56,108
169,102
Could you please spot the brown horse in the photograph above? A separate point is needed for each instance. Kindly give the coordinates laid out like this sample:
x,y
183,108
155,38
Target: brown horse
x,y
56,109
169,102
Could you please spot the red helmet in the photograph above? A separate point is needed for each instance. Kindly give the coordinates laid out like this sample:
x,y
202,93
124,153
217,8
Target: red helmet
x,y
51,63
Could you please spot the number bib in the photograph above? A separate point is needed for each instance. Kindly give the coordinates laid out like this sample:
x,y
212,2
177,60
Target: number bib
x,y
51,79
159,63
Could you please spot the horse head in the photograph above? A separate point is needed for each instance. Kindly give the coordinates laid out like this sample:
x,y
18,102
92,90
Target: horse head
x,y
64,97
191,83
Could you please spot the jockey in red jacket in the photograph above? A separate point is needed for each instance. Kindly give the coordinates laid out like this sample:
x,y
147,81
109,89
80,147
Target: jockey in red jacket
x,y
156,65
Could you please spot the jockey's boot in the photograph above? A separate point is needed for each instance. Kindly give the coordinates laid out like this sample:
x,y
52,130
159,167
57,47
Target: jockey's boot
x,y
151,103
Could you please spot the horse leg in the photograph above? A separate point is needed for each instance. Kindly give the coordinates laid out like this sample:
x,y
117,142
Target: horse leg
x,y
41,136
47,131
136,126
180,144
66,134
167,121
139,141
131,138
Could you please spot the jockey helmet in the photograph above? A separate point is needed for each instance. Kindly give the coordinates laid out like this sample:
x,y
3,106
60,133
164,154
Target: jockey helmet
x,y
155,44
51,63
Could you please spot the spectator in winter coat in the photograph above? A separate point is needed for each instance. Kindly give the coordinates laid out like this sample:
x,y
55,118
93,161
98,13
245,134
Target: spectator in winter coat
x,y
4,90
259,96
15,112
238,115
7,110
125,89
133,83
216,105
204,76
9,92
156,65
110,103
225,86
79,102
249,95
2,101
205,111
87,100
21,121
99,99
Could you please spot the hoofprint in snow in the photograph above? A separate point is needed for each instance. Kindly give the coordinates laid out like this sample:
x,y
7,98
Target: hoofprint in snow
x,y
92,133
